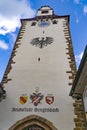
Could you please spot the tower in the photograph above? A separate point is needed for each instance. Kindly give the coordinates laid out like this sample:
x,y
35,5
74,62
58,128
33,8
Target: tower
x,y
42,69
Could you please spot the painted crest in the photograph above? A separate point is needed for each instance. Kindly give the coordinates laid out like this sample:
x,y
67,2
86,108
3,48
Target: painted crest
x,y
36,97
41,42
49,99
23,99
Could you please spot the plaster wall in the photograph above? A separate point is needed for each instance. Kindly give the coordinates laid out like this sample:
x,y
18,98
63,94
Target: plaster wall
x,y
48,75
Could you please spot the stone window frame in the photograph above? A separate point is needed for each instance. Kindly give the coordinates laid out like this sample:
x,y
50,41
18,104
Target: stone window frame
x,y
30,120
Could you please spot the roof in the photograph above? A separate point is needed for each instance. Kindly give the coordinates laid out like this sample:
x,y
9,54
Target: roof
x,y
80,80
37,17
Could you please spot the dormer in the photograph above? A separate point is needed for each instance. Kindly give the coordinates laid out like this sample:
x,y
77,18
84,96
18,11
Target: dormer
x,y
45,10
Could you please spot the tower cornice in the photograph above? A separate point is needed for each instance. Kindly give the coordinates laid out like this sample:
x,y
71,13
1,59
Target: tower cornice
x,y
54,16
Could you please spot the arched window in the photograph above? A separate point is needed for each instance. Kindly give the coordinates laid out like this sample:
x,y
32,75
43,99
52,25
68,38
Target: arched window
x,y
34,127
33,122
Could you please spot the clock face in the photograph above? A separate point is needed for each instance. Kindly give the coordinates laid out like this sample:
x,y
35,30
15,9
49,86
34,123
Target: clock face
x,y
41,42
43,23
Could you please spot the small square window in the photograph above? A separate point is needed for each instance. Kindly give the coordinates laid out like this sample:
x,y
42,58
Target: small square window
x,y
45,11
54,22
33,23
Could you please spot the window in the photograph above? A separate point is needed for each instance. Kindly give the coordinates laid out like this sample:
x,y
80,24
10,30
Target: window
x,y
33,23
34,127
54,22
45,11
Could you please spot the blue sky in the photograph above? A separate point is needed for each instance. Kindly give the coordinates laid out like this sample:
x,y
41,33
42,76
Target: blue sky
x,y
11,11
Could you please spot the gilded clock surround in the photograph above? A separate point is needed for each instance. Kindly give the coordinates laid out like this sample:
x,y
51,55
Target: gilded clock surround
x,y
44,23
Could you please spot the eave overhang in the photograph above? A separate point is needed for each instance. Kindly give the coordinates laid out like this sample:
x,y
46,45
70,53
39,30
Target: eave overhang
x,y
54,16
80,80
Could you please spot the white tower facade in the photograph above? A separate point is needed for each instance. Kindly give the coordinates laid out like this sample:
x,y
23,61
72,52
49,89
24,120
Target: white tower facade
x,y
42,68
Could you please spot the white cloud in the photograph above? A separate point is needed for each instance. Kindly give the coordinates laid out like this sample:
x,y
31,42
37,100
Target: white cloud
x,y
78,58
11,11
8,25
85,9
77,20
77,1
3,45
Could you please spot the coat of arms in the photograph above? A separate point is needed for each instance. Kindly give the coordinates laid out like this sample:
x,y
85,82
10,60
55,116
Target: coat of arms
x,y
41,42
23,99
36,97
49,99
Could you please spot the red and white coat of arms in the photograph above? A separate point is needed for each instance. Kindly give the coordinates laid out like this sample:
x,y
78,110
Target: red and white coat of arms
x,y
49,99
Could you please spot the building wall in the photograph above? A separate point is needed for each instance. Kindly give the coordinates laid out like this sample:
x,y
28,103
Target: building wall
x,y
47,76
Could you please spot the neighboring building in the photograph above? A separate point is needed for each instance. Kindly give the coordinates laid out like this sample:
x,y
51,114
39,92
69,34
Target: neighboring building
x,y
39,77
79,89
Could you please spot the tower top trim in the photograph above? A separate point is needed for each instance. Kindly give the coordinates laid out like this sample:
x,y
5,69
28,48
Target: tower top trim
x,y
45,10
